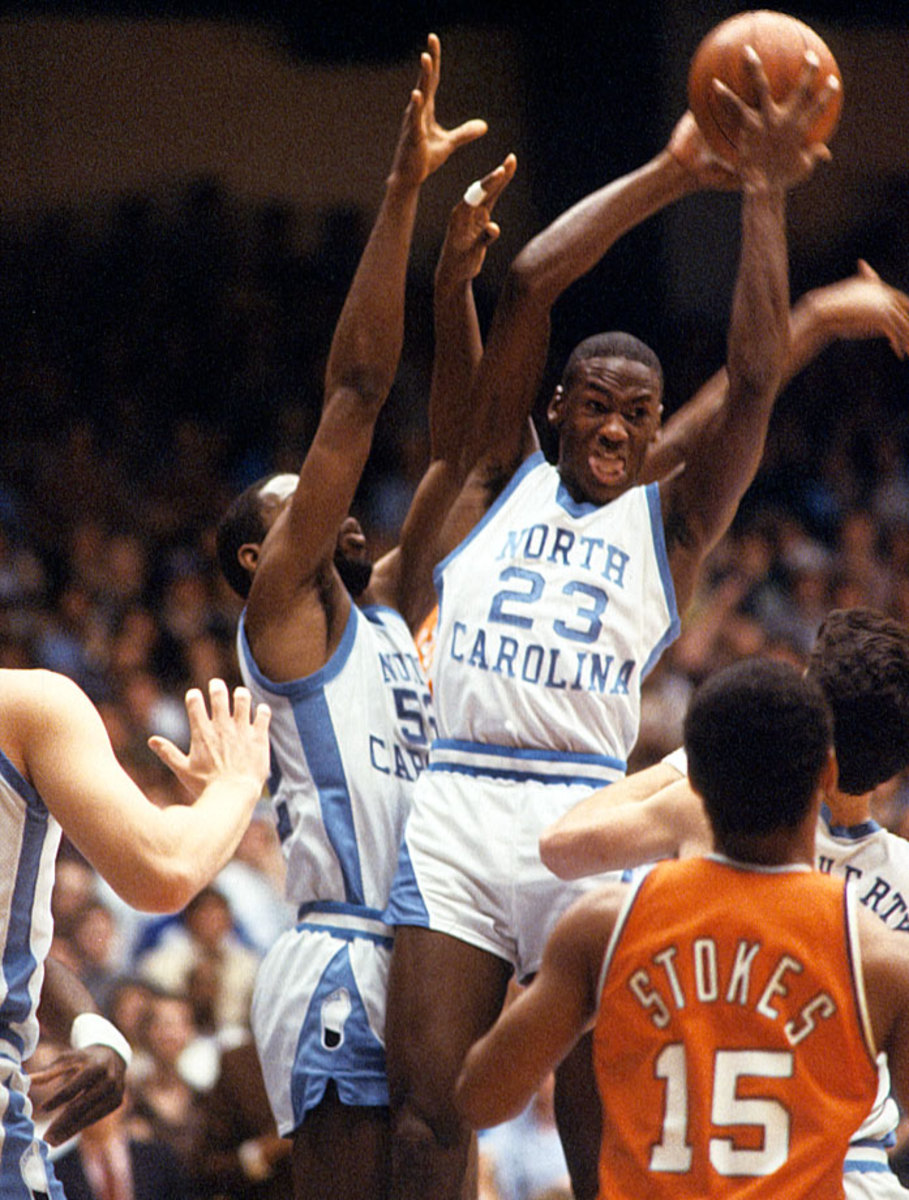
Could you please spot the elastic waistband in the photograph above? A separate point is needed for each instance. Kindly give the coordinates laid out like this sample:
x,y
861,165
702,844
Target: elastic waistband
x,y
349,920
867,1155
520,763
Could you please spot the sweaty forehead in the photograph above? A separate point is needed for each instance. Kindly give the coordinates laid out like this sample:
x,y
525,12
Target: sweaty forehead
x,y
280,487
616,374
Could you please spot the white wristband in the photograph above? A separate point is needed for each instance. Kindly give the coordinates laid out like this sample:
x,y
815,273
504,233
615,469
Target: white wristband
x,y
678,760
91,1029
475,194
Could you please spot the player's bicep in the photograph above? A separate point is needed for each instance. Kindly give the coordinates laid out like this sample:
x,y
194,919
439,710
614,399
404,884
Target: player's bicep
x,y
70,761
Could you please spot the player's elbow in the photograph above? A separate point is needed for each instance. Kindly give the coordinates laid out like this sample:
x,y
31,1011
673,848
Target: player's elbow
x,y
480,1105
162,886
555,853
527,283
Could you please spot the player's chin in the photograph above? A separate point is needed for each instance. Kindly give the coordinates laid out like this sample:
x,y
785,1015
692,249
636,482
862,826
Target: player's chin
x,y
602,486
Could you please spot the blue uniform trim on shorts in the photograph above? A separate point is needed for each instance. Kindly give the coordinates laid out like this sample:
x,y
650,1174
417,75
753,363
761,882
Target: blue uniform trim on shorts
x,y
356,1060
339,906
520,776
514,762
866,1168
405,904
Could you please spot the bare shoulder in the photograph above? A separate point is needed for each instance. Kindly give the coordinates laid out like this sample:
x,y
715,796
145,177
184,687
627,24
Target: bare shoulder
x,y
33,702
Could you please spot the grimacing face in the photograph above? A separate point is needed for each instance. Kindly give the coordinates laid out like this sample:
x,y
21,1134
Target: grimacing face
x,y
606,416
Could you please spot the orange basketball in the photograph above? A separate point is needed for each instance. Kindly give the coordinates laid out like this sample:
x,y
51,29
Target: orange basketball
x,y
780,42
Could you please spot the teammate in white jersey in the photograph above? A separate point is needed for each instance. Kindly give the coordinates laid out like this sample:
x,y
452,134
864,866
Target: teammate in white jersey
x,y
861,661
328,640
553,609
58,772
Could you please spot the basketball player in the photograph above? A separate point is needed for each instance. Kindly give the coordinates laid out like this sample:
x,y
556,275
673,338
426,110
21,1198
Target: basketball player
x,y
732,1057
861,662
556,605
329,640
58,771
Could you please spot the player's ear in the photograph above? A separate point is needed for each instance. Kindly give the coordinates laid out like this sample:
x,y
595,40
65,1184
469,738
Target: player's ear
x,y
657,425
556,406
248,556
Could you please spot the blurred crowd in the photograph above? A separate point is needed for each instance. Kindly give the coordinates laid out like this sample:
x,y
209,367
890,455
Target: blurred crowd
x,y
157,356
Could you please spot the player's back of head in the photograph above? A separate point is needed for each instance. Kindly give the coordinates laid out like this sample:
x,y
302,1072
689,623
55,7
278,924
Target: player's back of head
x,y
860,659
757,734
241,523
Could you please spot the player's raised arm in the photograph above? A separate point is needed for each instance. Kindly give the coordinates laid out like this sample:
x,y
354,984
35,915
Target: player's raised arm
x,y
699,503
857,308
454,445
361,367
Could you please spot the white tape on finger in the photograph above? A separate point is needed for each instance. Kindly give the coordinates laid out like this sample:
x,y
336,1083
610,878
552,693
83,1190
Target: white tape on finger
x,y
475,194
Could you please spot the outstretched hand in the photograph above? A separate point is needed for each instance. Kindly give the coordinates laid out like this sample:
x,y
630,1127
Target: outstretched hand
x,y
81,1087
228,746
864,306
471,230
772,145
424,145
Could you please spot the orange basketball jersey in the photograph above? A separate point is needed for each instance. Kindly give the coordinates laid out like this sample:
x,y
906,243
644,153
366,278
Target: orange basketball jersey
x,y
732,1049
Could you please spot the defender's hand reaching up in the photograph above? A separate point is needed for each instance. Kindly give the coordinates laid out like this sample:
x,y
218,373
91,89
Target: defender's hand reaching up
x,y
424,145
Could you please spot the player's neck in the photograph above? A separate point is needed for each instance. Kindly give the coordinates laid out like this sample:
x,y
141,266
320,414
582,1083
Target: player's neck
x,y
848,811
782,848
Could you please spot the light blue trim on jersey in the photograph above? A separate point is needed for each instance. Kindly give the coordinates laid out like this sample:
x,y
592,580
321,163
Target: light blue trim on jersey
x,y
313,719
523,763
517,478
16,780
662,558
852,833
326,766
19,964
294,688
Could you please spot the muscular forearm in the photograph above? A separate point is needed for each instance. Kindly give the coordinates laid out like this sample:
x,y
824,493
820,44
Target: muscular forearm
x,y
367,343
576,241
458,349
759,325
177,850
63,997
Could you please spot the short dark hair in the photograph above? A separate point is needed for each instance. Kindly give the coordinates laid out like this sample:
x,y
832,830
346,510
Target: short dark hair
x,y
242,522
860,659
758,734
613,345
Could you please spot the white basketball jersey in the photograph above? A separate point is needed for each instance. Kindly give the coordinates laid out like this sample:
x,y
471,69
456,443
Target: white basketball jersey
x,y
550,615
347,744
876,862
29,839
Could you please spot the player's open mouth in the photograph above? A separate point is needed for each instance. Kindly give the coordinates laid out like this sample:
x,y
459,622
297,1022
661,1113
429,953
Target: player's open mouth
x,y
607,468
